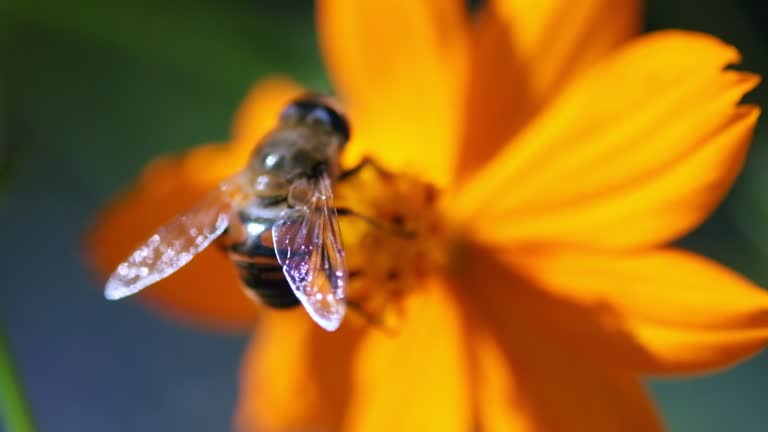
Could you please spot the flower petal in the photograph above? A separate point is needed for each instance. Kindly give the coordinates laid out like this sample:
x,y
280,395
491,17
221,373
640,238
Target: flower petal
x,y
295,375
414,380
527,383
689,313
555,39
207,290
400,65
635,153
522,53
663,311
531,374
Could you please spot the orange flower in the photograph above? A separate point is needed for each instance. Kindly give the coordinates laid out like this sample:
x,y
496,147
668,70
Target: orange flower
x,y
545,155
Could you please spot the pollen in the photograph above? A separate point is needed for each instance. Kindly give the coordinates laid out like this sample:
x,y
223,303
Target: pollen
x,y
393,240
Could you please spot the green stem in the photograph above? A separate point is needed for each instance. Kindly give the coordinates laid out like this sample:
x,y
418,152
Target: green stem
x,y
13,406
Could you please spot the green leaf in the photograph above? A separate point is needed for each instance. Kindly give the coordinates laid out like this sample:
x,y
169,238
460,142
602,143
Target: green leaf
x,y
13,406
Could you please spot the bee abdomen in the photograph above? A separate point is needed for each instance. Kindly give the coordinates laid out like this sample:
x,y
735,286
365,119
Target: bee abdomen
x,y
251,249
262,274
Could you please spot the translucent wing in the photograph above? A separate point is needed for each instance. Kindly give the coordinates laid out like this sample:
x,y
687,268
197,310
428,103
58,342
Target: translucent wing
x,y
309,247
177,242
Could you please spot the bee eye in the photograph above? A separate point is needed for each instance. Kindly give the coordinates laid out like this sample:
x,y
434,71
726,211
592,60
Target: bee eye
x,y
291,113
321,117
308,111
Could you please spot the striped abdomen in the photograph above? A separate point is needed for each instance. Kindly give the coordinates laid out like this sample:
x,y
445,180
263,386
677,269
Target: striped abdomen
x,y
252,251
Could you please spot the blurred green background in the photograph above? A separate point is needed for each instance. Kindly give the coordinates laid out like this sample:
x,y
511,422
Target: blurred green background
x,y
91,91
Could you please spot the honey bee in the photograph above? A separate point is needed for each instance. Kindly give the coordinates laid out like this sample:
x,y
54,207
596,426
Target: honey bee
x,y
276,219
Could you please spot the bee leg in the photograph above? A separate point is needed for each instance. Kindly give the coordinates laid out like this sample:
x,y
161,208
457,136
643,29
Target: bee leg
x,y
358,308
394,230
366,162
369,317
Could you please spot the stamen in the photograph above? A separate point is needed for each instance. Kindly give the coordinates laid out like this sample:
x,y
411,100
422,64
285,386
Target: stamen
x,y
388,265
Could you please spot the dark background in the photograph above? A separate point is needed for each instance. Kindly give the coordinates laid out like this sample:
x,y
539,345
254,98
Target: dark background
x,y
90,92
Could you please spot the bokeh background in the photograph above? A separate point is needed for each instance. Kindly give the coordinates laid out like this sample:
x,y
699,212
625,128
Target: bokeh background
x,y
91,90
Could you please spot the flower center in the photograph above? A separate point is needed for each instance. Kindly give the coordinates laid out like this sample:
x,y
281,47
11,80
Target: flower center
x,y
393,239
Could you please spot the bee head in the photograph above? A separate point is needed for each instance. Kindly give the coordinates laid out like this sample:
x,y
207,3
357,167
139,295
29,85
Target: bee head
x,y
317,111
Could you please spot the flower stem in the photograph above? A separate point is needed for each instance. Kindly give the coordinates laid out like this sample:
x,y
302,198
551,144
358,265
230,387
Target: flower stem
x,y
14,410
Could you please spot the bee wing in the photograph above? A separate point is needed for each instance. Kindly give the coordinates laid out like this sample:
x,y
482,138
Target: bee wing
x,y
177,242
308,245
